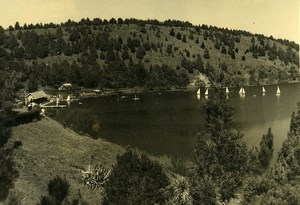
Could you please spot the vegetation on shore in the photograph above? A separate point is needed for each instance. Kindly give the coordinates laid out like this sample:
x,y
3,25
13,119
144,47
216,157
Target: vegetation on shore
x,y
142,53
42,162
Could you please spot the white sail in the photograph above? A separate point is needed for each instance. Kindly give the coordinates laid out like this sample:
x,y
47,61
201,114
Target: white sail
x,y
135,98
198,92
68,98
263,90
206,92
227,90
241,90
278,91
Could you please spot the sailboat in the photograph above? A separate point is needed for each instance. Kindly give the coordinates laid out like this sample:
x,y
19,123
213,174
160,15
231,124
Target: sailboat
x,y
242,91
68,98
135,98
278,91
263,90
198,92
227,90
206,92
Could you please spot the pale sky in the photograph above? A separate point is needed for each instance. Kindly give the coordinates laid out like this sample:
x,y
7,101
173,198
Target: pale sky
x,y
280,18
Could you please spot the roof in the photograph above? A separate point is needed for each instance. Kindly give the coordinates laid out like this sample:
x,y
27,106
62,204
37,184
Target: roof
x,y
67,84
38,94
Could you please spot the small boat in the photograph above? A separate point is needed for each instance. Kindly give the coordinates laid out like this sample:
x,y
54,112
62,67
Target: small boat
x,y
68,98
198,92
278,92
80,103
206,92
227,90
135,98
123,97
263,90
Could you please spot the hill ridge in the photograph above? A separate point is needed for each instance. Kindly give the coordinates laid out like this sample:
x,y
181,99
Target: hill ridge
x,y
144,53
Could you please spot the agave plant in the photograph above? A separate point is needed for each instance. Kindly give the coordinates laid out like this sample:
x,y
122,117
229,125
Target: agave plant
x,y
179,191
96,177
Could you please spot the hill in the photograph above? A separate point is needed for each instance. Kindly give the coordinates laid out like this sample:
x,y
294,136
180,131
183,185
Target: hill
x,y
143,53
48,150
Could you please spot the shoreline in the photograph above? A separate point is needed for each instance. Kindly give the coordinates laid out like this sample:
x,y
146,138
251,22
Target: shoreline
x,y
110,92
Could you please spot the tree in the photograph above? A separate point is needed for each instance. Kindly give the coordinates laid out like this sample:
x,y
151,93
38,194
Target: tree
x,y
135,180
223,50
17,26
169,49
202,45
172,32
32,83
178,36
266,149
221,154
184,38
140,52
206,54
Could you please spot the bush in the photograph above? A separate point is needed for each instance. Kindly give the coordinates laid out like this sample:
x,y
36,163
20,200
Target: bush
x,y
26,117
46,200
7,174
135,180
179,166
58,188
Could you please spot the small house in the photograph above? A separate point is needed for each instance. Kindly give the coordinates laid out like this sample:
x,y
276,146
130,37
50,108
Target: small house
x,y
37,97
65,86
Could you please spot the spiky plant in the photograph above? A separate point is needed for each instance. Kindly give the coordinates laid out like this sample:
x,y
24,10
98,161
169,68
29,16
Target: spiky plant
x,y
180,191
96,177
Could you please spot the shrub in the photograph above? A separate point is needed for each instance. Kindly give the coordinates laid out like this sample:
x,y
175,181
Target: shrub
x,y
179,192
46,200
26,117
179,166
135,180
58,188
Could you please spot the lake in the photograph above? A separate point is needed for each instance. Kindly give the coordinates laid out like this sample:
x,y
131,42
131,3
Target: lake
x,y
167,122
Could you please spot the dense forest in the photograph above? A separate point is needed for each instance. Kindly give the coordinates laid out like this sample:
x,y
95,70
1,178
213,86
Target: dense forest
x,y
128,53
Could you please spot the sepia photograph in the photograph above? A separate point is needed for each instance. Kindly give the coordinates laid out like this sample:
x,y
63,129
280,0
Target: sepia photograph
x,y
149,102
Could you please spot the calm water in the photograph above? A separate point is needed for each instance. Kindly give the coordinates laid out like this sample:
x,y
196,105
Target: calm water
x,y
167,123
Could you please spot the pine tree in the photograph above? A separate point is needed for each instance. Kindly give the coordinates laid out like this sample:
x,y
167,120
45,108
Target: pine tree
x,y
266,149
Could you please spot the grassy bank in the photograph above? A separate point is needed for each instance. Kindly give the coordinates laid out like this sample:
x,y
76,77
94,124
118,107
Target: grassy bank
x,y
48,149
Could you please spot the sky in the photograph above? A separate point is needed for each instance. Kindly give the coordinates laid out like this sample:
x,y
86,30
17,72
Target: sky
x,y
279,18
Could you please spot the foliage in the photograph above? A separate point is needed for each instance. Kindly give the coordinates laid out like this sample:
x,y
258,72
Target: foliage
x,y
266,149
179,166
7,173
135,180
203,191
26,117
58,188
221,154
7,166
96,177
179,192
280,183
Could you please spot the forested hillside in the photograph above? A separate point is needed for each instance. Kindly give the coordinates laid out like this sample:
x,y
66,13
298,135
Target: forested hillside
x,y
127,53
